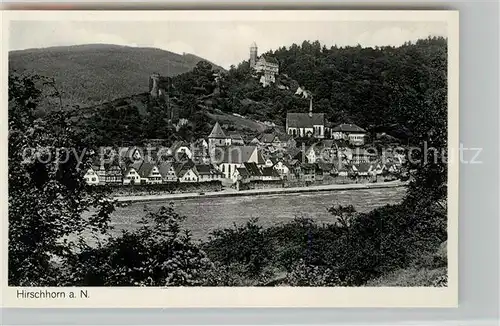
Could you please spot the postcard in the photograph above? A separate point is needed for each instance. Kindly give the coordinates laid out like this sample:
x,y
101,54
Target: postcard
x,y
263,158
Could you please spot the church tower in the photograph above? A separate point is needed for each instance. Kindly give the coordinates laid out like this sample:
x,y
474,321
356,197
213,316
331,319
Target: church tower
x,y
253,55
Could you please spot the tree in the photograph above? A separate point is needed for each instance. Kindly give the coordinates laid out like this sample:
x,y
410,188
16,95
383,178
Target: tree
x,y
47,192
159,253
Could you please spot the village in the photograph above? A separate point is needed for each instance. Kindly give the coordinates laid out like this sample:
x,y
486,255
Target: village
x,y
337,156
334,154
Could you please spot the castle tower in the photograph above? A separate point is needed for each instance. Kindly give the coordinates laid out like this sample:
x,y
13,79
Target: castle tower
x,y
154,84
253,55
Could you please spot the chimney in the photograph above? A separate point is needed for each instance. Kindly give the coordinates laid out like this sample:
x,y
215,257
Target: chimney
x,y
311,107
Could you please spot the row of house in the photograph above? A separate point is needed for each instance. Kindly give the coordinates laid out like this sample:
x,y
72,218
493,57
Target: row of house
x,y
145,172
243,163
227,157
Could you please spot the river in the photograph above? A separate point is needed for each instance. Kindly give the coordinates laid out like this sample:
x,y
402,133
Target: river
x,y
206,215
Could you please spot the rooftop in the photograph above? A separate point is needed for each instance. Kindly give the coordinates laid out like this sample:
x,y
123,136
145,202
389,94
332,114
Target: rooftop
x,y
348,127
217,132
304,120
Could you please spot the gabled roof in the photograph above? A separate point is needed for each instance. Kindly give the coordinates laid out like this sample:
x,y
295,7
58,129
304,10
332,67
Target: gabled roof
x,y
164,168
252,168
266,137
292,152
145,169
363,167
283,163
235,154
199,142
136,165
328,143
269,172
308,166
243,172
260,158
217,132
269,59
303,120
178,144
204,169
184,168
235,136
348,127
270,137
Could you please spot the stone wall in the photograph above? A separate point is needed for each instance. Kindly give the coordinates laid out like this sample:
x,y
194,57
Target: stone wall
x,y
261,185
173,188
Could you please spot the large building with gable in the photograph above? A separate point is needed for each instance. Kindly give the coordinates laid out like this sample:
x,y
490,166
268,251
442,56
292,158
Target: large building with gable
x,y
266,65
306,124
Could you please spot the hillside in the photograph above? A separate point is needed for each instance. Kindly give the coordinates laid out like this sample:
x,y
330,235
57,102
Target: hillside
x,y
95,73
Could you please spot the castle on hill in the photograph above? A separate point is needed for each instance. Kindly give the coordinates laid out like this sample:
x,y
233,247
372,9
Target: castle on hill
x,y
268,65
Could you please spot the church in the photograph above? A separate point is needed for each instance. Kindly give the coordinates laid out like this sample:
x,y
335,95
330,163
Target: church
x,y
306,124
269,66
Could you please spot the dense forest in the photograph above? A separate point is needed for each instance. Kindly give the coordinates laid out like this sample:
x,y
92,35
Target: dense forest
x,y
366,86
399,90
92,74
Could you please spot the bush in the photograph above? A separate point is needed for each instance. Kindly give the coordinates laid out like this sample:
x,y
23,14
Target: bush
x,y
303,274
246,245
157,254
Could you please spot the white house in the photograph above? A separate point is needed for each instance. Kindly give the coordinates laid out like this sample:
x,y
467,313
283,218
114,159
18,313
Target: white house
x,y
188,175
350,132
91,177
282,168
234,157
149,173
167,172
131,176
207,172
312,154
363,169
391,168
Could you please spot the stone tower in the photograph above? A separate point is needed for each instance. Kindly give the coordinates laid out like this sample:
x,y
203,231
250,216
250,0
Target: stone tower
x,y
154,85
253,55
216,138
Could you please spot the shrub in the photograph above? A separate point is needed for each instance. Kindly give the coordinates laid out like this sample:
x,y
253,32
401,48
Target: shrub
x,y
246,245
303,274
157,254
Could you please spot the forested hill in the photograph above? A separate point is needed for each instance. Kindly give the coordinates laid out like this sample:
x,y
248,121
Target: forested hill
x,y
366,86
95,73
404,88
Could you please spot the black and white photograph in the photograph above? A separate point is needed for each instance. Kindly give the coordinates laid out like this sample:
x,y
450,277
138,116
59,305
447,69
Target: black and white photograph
x,y
260,150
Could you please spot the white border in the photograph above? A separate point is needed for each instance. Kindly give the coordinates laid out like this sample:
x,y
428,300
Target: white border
x,y
123,297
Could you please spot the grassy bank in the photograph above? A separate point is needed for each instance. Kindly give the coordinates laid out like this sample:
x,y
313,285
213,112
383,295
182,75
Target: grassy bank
x,y
389,246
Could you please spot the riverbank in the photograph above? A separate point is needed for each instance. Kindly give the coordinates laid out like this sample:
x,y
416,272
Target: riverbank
x,y
258,192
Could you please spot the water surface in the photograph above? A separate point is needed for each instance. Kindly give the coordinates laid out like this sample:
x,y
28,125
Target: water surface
x,y
207,214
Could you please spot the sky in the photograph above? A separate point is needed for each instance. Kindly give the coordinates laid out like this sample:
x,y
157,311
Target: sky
x,y
221,42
